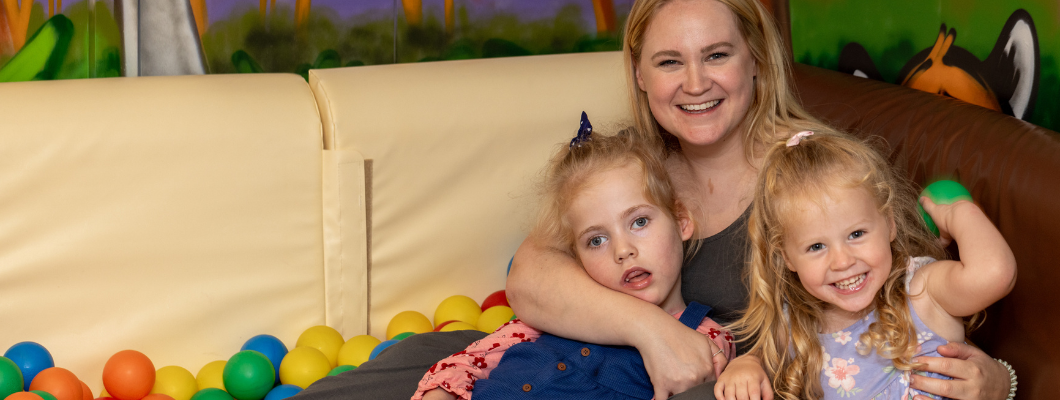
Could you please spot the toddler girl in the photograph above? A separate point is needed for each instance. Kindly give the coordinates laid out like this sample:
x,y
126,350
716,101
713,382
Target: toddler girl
x,y
609,203
848,287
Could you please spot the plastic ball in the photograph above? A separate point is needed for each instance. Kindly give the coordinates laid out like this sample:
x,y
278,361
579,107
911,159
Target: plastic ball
x,y
402,336
157,396
30,358
176,382
249,375
44,395
271,347
303,366
498,298
282,392
59,382
408,321
357,349
323,338
340,369
128,375
494,317
379,348
211,394
211,375
10,378
458,326
458,307
442,325
942,192
86,392
23,396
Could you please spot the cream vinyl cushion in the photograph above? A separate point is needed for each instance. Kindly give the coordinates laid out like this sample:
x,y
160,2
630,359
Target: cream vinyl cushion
x,y
451,152
176,216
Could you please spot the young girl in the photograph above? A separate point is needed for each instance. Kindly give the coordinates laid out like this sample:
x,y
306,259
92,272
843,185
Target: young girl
x,y
608,202
848,287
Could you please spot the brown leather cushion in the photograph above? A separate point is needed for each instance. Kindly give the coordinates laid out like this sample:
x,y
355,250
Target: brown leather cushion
x,y
1012,169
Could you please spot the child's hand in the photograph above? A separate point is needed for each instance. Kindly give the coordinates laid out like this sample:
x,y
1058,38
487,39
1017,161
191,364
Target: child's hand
x,y
944,215
438,394
744,379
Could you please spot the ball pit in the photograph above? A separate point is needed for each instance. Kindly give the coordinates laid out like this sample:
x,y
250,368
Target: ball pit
x,y
58,382
44,395
10,378
382,346
211,375
357,349
157,396
175,382
458,308
249,375
282,392
128,375
271,347
303,366
86,392
31,358
498,298
212,394
323,338
340,369
24,396
408,321
458,326
494,317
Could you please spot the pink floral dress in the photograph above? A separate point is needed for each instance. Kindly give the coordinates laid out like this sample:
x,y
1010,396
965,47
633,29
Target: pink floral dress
x,y
850,375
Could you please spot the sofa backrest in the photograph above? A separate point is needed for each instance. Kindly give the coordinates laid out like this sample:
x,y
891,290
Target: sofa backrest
x,y
452,151
175,216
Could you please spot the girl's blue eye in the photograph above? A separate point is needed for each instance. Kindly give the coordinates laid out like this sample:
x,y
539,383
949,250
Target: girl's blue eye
x,y
640,222
816,247
597,241
857,234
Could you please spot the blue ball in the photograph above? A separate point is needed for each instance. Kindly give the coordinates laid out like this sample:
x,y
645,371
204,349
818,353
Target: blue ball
x,y
282,392
380,347
271,347
31,358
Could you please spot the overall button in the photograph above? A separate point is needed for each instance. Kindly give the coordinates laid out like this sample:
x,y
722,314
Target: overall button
x,y
526,387
585,351
561,366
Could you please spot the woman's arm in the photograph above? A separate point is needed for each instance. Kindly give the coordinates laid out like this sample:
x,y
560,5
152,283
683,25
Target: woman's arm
x,y
975,375
549,290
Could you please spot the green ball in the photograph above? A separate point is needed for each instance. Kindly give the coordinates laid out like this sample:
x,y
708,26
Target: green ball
x,y
340,369
10,378
403,335
44,395
249,375
942,192
211,394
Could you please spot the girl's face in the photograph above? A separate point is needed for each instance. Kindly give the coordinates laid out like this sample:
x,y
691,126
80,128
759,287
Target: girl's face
x,y
696,70
840,246
625,242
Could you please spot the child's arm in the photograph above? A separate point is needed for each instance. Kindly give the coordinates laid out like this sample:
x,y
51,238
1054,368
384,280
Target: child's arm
x,y
455,376
987,270
744,378
723,339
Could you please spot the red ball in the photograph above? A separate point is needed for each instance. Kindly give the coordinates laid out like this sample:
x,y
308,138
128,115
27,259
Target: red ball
x,y
498,298
24,396
128,375
442,325
58,382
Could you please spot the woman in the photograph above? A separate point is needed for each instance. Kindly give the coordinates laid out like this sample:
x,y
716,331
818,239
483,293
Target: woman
x,y
711,77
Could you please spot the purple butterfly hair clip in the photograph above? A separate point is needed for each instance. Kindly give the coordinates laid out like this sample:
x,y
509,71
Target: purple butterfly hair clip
x,y
584,130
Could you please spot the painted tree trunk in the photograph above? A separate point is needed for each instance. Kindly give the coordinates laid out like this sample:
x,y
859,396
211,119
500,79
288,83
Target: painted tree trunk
x,y
605,16
198,7
18,21
301,13
450,22
413,11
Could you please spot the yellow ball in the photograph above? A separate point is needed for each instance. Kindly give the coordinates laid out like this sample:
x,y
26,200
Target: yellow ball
x,y
457,308
212,375
323,338
357,349
176,382
408,321
494,317
302,366
458,326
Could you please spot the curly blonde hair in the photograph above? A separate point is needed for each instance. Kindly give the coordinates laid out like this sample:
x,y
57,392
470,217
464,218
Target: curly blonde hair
x,y
788,343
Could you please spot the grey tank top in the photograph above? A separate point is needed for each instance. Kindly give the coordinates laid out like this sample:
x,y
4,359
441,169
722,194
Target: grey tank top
x,y
714,275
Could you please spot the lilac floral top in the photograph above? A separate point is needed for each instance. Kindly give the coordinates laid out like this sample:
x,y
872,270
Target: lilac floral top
x,y
848,374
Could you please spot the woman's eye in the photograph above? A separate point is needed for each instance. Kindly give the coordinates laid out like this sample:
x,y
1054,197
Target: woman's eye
x,y
640,222
715,56
597,241
857,234
665,63
816,247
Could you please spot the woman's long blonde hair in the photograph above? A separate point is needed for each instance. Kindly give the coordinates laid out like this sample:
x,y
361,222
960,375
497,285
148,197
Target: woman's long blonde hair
x,y
774,109
788,344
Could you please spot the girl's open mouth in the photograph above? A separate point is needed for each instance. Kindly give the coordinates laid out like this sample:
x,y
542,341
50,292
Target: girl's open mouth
x,y
636,278
852,284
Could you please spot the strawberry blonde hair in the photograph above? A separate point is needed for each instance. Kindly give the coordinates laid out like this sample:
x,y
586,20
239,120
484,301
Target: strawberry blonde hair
x,y
788,343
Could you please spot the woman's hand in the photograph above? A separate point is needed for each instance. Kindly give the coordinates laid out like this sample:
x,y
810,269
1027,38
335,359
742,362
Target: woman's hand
x,y
677,358
975,375
744,379
438,394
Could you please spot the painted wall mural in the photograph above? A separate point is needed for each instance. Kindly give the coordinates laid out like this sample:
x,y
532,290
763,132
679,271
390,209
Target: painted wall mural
x,y
56,39
999,54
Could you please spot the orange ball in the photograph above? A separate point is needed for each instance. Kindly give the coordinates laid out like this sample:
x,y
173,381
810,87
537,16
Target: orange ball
x,y
58,382
157,396
24,396
128,375
86,392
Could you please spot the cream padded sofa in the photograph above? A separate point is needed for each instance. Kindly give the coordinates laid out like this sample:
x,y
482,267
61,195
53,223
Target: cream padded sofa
x,y
180,216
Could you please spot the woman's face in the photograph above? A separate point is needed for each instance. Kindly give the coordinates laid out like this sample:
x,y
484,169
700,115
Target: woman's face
x,y
697,71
